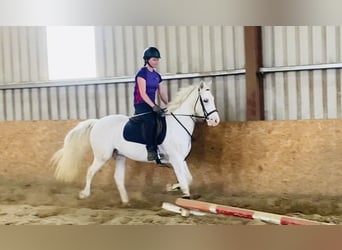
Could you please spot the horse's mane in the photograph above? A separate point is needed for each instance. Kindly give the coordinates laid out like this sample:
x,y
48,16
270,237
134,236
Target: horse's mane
x,y
180,97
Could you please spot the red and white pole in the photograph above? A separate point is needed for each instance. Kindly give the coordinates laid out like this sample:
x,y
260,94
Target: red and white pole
x,y
245,213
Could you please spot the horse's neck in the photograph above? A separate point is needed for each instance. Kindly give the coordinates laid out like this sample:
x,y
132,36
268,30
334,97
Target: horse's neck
x,y
187,108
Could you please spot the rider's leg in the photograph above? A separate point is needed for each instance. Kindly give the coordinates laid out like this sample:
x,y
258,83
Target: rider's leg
x,y
150,127
151,146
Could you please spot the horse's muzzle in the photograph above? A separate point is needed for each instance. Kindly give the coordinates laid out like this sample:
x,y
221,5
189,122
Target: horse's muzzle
x,y
213,120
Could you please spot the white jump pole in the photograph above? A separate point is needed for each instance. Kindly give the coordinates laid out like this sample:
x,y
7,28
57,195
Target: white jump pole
x,y
245,213
181,210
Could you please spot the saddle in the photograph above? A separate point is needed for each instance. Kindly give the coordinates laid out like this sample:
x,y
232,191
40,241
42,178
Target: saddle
x,y
134,130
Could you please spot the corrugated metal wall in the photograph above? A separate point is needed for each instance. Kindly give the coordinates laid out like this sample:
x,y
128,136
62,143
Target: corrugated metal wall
x,y
23,54
23,58
307,94
55,103
185,49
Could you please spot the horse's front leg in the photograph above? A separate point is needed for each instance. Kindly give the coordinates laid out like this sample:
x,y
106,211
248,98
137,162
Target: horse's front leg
x,y
187,173
176,186
182,174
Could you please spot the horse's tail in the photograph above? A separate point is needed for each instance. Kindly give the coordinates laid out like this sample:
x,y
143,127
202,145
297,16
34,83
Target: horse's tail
x,y
76,143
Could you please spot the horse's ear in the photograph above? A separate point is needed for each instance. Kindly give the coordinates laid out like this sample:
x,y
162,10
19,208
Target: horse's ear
x,y
203,85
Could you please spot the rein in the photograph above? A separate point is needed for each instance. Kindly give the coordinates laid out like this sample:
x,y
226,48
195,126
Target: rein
x,y
174,116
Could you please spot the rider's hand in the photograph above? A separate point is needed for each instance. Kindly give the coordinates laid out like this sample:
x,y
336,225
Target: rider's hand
x,y
158,110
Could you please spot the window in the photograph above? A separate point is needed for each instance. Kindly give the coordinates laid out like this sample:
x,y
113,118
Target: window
x,y
71,52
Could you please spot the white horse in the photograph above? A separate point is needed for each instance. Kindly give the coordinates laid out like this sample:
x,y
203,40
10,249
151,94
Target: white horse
x,y
105,136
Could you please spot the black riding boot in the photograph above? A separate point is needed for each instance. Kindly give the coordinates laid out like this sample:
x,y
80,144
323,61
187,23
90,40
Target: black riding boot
x,y
151,153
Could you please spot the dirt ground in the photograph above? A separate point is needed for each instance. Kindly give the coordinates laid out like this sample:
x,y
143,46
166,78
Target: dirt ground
x,y
53,203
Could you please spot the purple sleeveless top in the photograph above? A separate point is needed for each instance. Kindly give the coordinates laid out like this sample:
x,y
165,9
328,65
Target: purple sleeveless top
x,y
152,79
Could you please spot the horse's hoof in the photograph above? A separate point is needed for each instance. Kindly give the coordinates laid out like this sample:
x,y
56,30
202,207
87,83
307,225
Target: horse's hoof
x,y
186,197
191,197
195,196
126,205
82,195
172,187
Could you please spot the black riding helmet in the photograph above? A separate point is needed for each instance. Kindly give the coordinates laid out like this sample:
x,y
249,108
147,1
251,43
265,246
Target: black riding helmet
x,y
149,53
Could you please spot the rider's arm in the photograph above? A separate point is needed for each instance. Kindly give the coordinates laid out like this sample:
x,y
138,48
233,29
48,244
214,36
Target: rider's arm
x,y
142,89
162,91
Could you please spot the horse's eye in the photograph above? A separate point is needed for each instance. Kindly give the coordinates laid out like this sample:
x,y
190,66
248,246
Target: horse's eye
x,y
205,100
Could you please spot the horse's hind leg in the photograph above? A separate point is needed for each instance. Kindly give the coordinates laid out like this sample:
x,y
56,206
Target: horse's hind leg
x,y
95,166
119,177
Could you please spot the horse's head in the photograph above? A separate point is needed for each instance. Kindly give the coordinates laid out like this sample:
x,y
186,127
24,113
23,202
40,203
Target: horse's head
x,y
205,105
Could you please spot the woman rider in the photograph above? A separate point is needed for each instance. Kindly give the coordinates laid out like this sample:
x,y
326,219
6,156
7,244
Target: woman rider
x,y
147,84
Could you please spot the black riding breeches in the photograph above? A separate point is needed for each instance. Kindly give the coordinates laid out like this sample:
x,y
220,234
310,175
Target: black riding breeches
x,y
149,120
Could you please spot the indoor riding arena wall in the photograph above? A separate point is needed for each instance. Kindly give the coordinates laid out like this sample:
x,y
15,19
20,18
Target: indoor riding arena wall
x,y
259,157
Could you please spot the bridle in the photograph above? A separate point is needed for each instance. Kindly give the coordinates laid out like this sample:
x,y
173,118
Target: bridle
x,y
205,115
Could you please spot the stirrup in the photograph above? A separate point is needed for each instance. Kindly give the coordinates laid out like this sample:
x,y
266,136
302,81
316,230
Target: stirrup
x,y
158,161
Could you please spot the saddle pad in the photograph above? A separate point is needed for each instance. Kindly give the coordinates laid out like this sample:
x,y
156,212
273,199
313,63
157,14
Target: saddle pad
x,y
134,130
